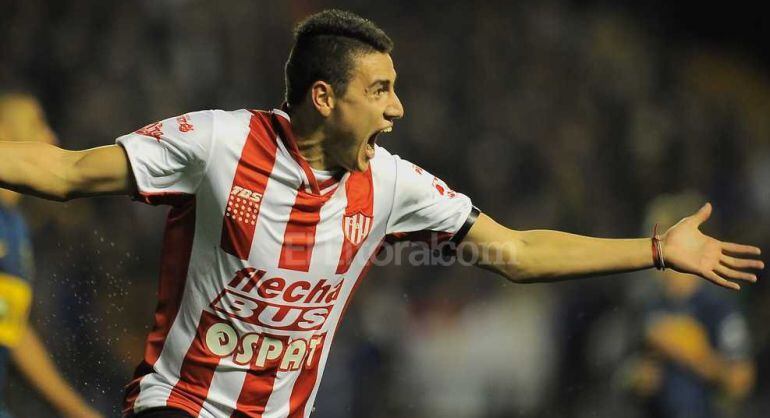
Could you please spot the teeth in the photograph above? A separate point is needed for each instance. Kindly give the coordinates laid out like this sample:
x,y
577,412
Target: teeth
x,y
388,129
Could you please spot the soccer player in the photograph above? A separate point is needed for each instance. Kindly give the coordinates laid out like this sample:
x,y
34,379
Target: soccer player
x,y
21,117
275,216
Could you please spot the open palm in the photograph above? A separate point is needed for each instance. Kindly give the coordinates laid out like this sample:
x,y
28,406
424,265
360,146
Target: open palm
x,y
688,250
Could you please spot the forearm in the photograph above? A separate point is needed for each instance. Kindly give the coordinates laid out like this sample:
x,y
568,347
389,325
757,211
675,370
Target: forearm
x,y
53,173
32,359
735,378
543,255
34,168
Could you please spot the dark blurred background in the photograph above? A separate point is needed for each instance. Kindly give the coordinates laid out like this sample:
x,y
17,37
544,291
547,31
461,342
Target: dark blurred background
x,y
568,115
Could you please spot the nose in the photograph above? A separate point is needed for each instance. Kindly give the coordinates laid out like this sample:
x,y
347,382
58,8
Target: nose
x,y
395,109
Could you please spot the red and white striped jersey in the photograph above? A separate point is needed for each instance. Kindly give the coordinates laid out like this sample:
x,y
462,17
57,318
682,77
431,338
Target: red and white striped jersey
x,y
260,259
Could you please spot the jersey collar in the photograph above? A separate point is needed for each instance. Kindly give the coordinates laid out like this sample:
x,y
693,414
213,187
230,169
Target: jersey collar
x,y
282,123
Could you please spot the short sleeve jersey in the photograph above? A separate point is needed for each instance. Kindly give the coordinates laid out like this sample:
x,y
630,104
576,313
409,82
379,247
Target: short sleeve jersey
x,y
261,259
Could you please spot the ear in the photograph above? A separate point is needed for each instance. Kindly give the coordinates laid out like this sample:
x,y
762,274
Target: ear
x,y
322,97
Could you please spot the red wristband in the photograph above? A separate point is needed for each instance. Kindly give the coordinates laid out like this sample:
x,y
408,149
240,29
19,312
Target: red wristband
x,y
657,250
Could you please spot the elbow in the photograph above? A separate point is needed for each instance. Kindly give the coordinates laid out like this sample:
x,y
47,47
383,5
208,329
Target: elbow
x,y
70,180
61,190
516,275
65,196
507,259
513,271
518,268
57,195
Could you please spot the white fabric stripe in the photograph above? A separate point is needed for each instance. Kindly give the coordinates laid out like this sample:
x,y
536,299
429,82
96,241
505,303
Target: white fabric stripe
x,y
283,114
228,380
277,202
278,403
326,253
155,388
370,244
329,236
328,189
296,167
275,210
158,385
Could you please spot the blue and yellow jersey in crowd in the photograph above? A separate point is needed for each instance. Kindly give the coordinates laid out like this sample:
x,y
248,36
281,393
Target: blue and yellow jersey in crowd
x,y
683,393
15,285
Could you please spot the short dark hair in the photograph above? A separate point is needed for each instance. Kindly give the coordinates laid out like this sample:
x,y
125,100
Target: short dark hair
x,y
324,47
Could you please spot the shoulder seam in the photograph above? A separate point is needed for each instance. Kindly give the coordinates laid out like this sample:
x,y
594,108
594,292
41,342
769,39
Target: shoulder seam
x,y
212,144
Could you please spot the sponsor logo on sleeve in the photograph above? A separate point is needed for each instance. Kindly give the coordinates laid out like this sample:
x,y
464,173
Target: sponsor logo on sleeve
x,y
184,124
442,188
153,130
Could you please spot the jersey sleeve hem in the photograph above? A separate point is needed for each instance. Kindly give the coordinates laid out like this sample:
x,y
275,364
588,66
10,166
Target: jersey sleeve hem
x,y
470,220
142,192
133,166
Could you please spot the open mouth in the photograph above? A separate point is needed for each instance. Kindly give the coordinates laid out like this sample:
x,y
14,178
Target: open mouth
x,y
373,141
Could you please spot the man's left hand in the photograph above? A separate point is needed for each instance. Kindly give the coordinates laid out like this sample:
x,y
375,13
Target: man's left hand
x,y
687,250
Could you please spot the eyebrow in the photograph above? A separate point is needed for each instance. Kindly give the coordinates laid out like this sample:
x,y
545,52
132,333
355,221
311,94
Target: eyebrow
x,y
382,82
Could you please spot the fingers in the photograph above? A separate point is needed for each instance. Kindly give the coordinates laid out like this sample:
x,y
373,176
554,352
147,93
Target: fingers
x,y
702,214
729,273
741,263
714,278
740,248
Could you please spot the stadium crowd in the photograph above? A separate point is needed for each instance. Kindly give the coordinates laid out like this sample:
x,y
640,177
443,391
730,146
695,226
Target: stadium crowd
x,y
548,115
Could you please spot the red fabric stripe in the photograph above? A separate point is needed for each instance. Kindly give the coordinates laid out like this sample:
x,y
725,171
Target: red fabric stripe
x,y
257,386
306,382
303,387
251,176
299,237
177,246
331,180
284,126
197,370
255,392
360,193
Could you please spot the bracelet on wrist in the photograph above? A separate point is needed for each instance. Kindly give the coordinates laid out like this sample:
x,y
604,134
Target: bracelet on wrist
x,y
657,250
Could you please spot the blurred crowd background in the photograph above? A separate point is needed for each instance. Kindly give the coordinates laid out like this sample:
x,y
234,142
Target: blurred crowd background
x,y
549,114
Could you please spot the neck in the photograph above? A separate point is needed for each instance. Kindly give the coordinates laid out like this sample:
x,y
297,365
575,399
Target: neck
x,y
311,138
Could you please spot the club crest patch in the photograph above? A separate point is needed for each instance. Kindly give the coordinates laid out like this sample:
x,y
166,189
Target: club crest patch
x,y
356,227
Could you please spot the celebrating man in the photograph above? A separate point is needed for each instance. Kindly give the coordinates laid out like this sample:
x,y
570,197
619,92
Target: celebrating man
x,y
276,216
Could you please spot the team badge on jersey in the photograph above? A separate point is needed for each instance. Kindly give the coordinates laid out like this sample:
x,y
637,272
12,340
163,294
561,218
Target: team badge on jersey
x,y
356,227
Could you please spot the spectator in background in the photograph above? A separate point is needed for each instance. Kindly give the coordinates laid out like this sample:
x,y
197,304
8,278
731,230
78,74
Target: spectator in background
x,y
696,341
22,118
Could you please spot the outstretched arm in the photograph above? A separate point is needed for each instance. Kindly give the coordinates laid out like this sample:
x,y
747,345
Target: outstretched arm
x,y
34,362
52,173
542,255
